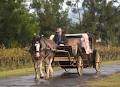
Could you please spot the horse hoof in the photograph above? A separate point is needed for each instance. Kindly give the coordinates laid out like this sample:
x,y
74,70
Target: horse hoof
x,y
47,78
36,78
51,76
41,77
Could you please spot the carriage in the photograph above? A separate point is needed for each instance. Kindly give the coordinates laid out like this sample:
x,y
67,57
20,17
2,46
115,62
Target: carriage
x,y
67,58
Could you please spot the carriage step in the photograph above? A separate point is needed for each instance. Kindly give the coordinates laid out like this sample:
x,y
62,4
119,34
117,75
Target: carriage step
x,y
64,59
61,51
85,59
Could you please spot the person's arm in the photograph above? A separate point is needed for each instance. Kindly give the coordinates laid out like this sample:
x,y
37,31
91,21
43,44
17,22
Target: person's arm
x,y
55,39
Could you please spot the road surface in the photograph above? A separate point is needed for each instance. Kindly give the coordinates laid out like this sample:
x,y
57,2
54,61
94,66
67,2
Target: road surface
x,y
61,78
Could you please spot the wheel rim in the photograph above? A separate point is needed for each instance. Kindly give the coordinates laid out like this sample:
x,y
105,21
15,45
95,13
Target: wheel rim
x,y
80,66
98,62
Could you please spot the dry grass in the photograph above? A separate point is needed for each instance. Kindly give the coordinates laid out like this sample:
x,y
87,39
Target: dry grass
x,y
14,58
109,53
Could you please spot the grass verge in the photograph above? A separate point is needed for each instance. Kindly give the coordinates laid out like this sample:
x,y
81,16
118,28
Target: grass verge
x,y
17,72
111,62
109,81
20,72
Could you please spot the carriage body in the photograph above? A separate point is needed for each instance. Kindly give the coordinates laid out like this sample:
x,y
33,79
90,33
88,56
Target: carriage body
x,y
68,59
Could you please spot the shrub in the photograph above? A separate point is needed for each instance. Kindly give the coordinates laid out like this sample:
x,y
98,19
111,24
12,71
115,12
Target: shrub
x,y
109,53
17,57
14,58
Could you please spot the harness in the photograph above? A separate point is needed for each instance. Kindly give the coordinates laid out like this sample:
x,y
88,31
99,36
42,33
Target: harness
x,y
44,51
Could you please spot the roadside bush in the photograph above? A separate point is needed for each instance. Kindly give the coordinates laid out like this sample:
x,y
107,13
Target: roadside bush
x,y
14,58
19,58
109,53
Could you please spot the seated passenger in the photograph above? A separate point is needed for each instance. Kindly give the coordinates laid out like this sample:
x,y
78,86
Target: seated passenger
x,y
60,38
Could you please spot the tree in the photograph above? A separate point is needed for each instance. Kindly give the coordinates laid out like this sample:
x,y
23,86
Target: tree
x,y
15,23
100,18
50,15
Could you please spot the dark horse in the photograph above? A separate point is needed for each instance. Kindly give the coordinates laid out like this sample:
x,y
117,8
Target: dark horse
x,y
42,50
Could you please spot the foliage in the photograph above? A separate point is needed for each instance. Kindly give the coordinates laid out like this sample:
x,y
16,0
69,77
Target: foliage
x,y
101,18
109,53
17,57
98,17
14,58
50,15
16,24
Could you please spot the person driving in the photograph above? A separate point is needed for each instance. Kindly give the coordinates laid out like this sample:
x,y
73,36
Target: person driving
x,y
60,38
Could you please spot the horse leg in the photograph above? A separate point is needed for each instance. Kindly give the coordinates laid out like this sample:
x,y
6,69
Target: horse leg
x,y
49,70
40,70
45,67
36,70
50,67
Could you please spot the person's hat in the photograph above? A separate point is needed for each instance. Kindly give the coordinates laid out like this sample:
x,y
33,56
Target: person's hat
x,y
59,30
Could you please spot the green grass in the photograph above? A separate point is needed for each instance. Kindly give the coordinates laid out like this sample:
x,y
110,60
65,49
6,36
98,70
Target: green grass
x,y
20,72
17,72
111,62
110,81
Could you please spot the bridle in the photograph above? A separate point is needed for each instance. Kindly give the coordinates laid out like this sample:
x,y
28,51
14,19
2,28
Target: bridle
x,y
41,46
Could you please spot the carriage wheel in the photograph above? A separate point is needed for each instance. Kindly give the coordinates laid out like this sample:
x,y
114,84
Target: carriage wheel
x,y
80,66
97,62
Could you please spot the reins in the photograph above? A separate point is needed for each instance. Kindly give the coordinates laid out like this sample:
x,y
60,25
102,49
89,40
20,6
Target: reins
x,y
47,46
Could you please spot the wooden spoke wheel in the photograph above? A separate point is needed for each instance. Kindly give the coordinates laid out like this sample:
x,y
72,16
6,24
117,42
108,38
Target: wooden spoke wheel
x,y
80,66
97,62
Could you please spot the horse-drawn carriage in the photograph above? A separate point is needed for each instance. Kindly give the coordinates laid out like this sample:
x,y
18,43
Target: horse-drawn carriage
x,y
73,56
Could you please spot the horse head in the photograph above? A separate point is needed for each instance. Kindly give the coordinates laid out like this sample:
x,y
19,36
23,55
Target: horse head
x,y
36,46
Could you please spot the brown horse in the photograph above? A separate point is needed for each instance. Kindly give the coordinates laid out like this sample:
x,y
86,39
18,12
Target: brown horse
x,y
42,50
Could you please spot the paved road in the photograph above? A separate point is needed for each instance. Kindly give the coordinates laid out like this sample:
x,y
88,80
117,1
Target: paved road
x,y
61,78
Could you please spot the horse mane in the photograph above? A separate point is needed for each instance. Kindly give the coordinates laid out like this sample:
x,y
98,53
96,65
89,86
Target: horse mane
x,y
47,44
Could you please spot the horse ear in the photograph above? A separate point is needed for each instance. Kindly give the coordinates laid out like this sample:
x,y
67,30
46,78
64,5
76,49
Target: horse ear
x,y
42,35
